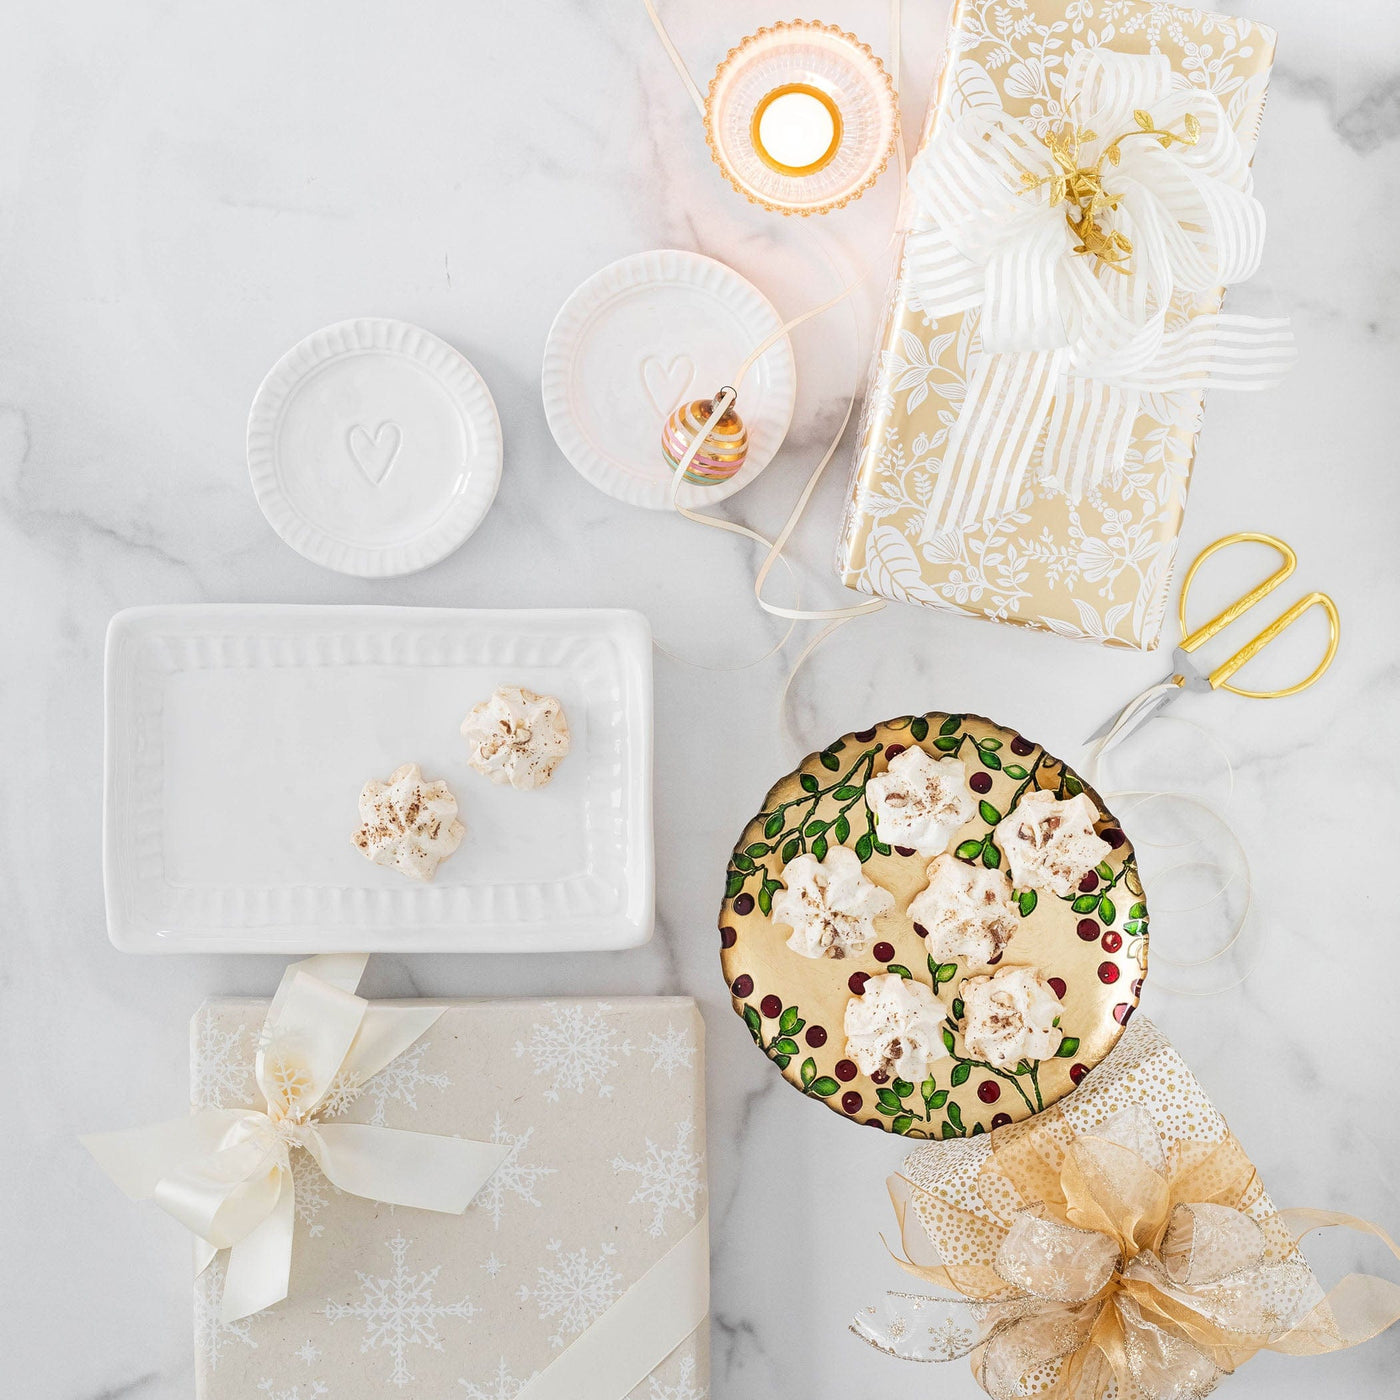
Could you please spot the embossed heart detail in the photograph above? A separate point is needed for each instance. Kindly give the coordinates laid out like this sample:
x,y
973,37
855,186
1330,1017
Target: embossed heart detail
x,y
374,452
666,381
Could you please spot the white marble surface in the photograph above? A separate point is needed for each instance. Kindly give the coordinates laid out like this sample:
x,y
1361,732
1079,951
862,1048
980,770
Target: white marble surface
x,y
186,189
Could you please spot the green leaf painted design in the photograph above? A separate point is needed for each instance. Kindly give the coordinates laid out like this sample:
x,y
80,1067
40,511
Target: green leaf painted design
x,y
773,826
955,1116
947,1040
960,1074
938,1100
950,725
756,850
808,1072
989,759
841,830
753,1020
900,969
902,1087
789,1023
819,848
765,899
991,857
846,794
1085,904
989,743
830,761
903,1123
1106,910
1026,902
989,814
889,1099
1068,1046
865,847
969,850
786,1045
947,743
824,1087
733,885
918,727
1014,770
809,782
1072,785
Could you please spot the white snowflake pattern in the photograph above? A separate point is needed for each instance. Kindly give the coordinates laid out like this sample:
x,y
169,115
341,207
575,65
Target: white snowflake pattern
x,y
684,1389
670,1052
513,1177
221,1075
316,1390
308,1352
501,1386
211,1333
309,1191
577,1048
575,1290
398,1311
492,1265
399,1081
669,1178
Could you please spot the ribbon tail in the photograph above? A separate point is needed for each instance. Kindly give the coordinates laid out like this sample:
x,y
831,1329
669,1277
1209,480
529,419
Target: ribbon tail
x,y
139,1159
1091,427
989,449
404,1168
260,1264
385,1033
627,1343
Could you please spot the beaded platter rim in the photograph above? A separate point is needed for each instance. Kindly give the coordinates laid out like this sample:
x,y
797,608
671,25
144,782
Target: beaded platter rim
x,y
793,1006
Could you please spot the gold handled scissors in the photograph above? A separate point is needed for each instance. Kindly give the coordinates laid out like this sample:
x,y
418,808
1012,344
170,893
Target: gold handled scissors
x,y
1187,676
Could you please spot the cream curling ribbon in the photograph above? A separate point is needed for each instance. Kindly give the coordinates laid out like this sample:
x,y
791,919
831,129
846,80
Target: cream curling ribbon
x,y
226,1174
1088,246
1112,1262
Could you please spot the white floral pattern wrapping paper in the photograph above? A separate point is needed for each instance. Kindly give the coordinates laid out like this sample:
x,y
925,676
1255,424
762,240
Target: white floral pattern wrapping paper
x,y
602,1104
1097,569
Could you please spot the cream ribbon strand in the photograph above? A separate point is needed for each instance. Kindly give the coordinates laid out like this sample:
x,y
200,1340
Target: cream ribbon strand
x,y
226,1174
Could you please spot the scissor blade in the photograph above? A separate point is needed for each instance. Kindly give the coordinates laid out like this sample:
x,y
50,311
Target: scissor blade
x,y
1139,709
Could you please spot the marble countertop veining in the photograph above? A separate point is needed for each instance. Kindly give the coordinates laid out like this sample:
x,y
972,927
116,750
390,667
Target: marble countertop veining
x,y
187,189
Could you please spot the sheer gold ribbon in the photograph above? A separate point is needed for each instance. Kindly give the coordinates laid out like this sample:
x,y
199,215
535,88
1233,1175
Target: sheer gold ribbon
x,y
1111,1262
226,1174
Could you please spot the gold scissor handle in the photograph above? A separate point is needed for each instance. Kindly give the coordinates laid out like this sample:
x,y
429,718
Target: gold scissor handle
x,y
1220,677
1191,640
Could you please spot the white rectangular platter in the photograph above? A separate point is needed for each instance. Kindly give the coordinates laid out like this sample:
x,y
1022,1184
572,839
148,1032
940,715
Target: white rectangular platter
x,y
239,737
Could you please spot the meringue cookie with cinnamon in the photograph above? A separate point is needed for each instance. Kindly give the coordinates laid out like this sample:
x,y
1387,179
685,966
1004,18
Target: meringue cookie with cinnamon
x,y
920,801
1010,1016
517,737
965,914
408,823
1051,844
831,905
895,1027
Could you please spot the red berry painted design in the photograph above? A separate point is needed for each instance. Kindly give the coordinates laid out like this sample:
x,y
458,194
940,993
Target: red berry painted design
x,y
883,952
905,851
846,1070
1077,1072
772,1007
1121,1012
874,1123
1088,930
879,1077
989,1091
1022,747
852,1102
816,1036
865,735
1113,836
856,982
743,904
728,936
1112,941
1089,883
980,783
1057,985
1000,1120
921,930
992,962
742,985
1108,973
894,750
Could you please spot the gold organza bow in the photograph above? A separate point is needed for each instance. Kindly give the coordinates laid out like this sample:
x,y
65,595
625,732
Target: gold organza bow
x,y
226,1174
1109,1259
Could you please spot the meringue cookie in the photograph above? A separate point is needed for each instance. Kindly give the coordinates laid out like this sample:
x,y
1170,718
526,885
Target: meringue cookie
x,y
408,823
517,737
895,1027
919,801
831,905
966,914
1050,844
1010,1016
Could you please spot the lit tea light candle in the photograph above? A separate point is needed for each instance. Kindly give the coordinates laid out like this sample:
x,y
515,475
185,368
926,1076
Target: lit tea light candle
x,y
801,117
796,129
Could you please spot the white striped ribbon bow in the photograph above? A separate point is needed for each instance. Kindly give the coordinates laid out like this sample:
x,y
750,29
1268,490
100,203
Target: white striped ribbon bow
x,y
1075,245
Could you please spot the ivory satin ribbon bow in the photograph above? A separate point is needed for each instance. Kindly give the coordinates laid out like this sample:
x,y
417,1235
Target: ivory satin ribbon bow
x,y
1089,245
1108,1259
226,1174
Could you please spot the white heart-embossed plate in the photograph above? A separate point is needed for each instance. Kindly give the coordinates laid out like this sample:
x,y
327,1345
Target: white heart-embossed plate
x,y
374,448
239,737
644,334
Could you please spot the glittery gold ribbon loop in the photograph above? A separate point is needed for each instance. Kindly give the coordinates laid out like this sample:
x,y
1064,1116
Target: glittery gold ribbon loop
x,y
1088,1263
1088,240
226,1174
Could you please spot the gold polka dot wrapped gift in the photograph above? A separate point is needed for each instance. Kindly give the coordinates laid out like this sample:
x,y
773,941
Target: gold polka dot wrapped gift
x,y
720,456
1118,1244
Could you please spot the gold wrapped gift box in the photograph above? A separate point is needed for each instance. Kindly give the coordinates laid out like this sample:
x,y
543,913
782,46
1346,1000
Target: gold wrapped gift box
x,y
1098,568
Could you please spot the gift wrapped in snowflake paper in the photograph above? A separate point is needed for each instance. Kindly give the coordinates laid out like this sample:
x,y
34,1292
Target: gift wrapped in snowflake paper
x,y
1119,1244
1081,200
587,1241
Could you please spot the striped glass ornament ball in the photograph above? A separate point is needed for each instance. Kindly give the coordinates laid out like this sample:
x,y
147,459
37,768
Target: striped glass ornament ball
x,y
723,452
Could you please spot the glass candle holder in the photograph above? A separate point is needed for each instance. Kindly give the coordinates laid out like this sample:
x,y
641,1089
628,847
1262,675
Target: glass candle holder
x,y
801,117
